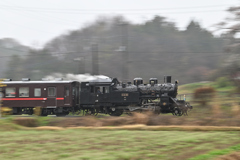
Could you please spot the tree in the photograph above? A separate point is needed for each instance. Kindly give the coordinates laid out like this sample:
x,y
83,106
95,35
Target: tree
x,y
8,48
231,31
155,48
193,27
15,69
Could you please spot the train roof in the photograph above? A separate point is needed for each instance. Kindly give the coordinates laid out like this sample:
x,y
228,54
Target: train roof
x,y
107,80
35,82
137,78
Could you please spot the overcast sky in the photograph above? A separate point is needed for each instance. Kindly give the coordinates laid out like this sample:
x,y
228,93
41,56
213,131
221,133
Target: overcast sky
x,y
35,22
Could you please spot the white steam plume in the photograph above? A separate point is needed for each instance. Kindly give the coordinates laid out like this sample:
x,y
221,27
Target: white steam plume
x,y
77,77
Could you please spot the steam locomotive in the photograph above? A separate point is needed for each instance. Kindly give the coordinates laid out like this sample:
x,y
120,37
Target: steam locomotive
x,y
107,96
112,97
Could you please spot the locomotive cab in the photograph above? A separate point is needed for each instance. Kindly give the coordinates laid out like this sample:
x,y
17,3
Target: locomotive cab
x,y
94,91
107,96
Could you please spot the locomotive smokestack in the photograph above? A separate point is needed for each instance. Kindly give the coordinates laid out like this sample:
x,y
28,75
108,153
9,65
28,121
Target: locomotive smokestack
x,y
167,79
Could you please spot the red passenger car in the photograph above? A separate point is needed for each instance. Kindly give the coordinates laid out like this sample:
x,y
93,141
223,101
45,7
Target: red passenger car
x,y
48,97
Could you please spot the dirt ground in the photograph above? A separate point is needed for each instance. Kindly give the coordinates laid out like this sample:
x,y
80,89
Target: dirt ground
x,y
231,156
148,119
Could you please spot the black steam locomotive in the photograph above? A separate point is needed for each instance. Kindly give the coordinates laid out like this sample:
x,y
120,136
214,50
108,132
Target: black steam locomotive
x,y
107,96
112,97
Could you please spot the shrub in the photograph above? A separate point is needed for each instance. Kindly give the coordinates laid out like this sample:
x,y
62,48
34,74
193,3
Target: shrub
x,y
27,122
204,95
223,82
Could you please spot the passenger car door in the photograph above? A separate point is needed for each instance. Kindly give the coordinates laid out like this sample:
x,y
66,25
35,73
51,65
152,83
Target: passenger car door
x,y
51,97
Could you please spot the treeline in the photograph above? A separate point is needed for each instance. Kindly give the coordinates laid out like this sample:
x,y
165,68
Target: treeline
x,y
155,48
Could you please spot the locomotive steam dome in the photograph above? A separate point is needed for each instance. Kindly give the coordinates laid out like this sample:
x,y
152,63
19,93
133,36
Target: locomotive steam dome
x,y
153,81
137,81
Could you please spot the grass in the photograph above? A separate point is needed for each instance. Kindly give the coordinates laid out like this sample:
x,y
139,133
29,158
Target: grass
x,y
7,125
189,88
224,96
217,153
118,144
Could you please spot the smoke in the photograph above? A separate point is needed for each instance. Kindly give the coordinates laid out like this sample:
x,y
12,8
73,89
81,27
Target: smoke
x,y
77,77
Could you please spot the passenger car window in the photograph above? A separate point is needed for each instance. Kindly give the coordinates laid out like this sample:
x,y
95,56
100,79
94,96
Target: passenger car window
x,y
37,92
66,91
73,90
51,91
10,92
23,92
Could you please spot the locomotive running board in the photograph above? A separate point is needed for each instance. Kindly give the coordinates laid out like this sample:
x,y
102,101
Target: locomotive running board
x,y
147,106
177,102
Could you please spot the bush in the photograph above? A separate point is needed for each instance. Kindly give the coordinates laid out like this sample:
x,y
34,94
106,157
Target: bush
x,y
27,122
204,95
223,82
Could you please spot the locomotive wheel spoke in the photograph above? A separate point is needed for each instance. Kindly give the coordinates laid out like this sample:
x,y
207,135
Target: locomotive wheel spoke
x,y
117,112
177,112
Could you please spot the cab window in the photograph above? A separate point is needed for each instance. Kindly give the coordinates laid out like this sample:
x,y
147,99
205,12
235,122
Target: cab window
x,y
102,89
106,89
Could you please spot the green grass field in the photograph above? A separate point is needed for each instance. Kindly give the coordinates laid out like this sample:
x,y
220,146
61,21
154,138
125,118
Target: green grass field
x,y
190,88
118,144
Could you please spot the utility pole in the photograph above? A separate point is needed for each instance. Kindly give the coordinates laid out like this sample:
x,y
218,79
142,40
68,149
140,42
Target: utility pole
x,y
124,49
95,63
81,64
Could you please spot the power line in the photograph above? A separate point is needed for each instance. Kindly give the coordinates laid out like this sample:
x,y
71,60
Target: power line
x,y
16,24
41,17
116,9
74,10
72,52
47,16
140,13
